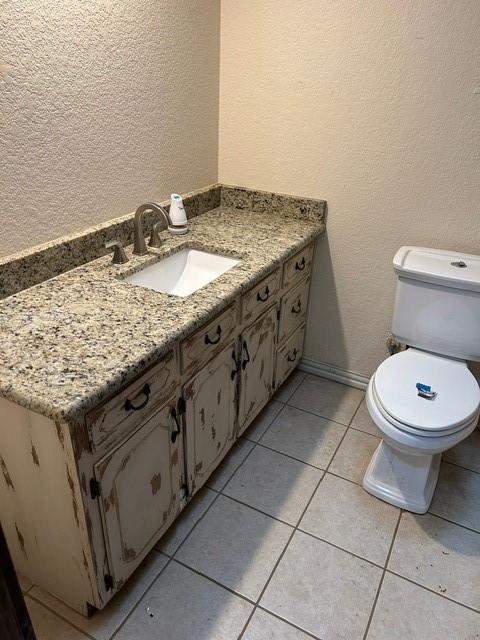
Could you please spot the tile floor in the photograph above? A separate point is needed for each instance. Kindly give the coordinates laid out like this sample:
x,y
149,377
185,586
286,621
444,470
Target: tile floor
x,y
284,543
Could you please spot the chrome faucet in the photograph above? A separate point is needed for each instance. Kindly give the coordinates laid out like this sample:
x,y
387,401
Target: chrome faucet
x,y
139,244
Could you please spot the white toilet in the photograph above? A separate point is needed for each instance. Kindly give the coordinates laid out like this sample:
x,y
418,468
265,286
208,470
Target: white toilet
x,y
425,400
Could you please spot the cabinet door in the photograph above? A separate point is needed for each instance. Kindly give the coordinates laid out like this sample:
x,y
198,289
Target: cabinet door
x,y
258,344
141,490
210,416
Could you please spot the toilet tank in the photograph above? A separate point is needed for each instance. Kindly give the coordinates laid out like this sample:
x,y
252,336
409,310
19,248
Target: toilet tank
x,y
437,301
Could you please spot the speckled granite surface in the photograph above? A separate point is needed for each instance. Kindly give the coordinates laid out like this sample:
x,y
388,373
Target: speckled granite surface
x,y
70,341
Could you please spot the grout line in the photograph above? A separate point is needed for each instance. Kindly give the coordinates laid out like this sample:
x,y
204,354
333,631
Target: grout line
x,y
372,611
287,455
264,513
234,471
295,529
311,413
460,466
463,526
430,590
287,622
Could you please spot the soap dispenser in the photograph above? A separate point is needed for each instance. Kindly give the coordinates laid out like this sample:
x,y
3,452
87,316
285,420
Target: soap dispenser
x,y
178,215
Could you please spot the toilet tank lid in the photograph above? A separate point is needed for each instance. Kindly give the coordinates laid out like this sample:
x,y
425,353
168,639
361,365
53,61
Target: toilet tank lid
x,y
447,268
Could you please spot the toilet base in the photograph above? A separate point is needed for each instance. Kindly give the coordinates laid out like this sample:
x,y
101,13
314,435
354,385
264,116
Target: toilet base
x,y
404,480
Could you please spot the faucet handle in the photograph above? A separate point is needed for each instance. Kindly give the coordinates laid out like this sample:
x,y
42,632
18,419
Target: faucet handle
x,y
155,240
119,255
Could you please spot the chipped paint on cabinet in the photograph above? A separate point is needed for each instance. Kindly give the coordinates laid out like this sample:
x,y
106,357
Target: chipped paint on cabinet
x,y
293,309
210,416
140,491
289,354
258,344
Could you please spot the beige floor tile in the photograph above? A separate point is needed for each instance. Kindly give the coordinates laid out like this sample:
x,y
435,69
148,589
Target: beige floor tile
x,y
353,455
182,605
346,515
441,556
304,436
327,399
466,453
261,423
457,496
235,545
182,526
48,626
363,422
105,622
285,392
275,484
230,464
323,590
405,611
264,626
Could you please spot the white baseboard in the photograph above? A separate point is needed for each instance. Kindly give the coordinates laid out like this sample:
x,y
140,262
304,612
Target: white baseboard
x,y
331,372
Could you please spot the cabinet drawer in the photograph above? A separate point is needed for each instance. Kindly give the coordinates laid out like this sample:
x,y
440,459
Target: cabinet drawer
x,y
289,355
297,267
208,341
293,309
259,298
126,410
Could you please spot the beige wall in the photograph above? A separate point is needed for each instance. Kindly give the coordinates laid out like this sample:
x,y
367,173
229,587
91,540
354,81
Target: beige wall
x,y
375,106
103,105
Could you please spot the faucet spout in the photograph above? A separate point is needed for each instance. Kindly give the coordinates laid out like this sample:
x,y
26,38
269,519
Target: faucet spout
x,y
139,244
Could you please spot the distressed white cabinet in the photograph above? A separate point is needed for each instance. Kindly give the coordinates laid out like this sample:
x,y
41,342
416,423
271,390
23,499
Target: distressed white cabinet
x,y
257,360
83,503
140,490
210,415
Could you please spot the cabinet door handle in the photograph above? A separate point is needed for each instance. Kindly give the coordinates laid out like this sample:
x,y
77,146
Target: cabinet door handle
x,y
301,266
235,371
295,353
129,406
298,307
208,340
265,297
174,434
247,359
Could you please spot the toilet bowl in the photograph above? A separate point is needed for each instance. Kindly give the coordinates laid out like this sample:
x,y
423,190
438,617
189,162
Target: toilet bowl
x,y
417,427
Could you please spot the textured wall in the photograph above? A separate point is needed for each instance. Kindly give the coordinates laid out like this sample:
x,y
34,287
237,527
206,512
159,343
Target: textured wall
x,y
103,105
375,107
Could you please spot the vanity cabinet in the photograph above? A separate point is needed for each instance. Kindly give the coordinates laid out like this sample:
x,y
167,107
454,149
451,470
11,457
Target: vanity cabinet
x,y
257,359
86,502
210,415
140,490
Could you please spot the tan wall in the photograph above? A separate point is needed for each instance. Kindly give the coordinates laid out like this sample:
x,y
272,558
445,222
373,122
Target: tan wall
x,y
103,105
375,106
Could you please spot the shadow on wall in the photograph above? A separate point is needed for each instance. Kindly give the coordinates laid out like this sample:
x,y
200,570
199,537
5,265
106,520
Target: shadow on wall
x,y
324,325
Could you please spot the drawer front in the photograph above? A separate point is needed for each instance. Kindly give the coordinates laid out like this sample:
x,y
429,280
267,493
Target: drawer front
x,y
260,297
208,341
289,355
124,412
293,309
297,267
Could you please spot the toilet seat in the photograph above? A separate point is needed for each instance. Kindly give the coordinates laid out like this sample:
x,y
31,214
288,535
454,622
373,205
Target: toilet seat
x,y
395,394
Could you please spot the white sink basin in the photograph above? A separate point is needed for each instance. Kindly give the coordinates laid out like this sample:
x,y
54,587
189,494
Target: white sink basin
x,y
183,273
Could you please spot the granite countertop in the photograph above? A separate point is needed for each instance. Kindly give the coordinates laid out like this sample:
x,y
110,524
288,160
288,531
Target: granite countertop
x,y
70,341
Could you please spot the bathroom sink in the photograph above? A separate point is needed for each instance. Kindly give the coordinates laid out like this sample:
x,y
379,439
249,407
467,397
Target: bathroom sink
x,y
183,273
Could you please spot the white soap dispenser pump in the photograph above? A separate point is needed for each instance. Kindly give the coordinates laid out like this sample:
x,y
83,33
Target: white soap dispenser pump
x,y
178,215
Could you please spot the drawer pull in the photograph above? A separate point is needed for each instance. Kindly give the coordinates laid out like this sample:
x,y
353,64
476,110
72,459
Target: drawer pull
x,y
129,406
208,340
247,359
174,434
235,371
300,266
298,307
295,353
265,297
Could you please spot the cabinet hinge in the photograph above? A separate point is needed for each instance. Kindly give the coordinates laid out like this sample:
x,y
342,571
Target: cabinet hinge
x,y
185,491
274,384
108,582
182,405
94,488
278,313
